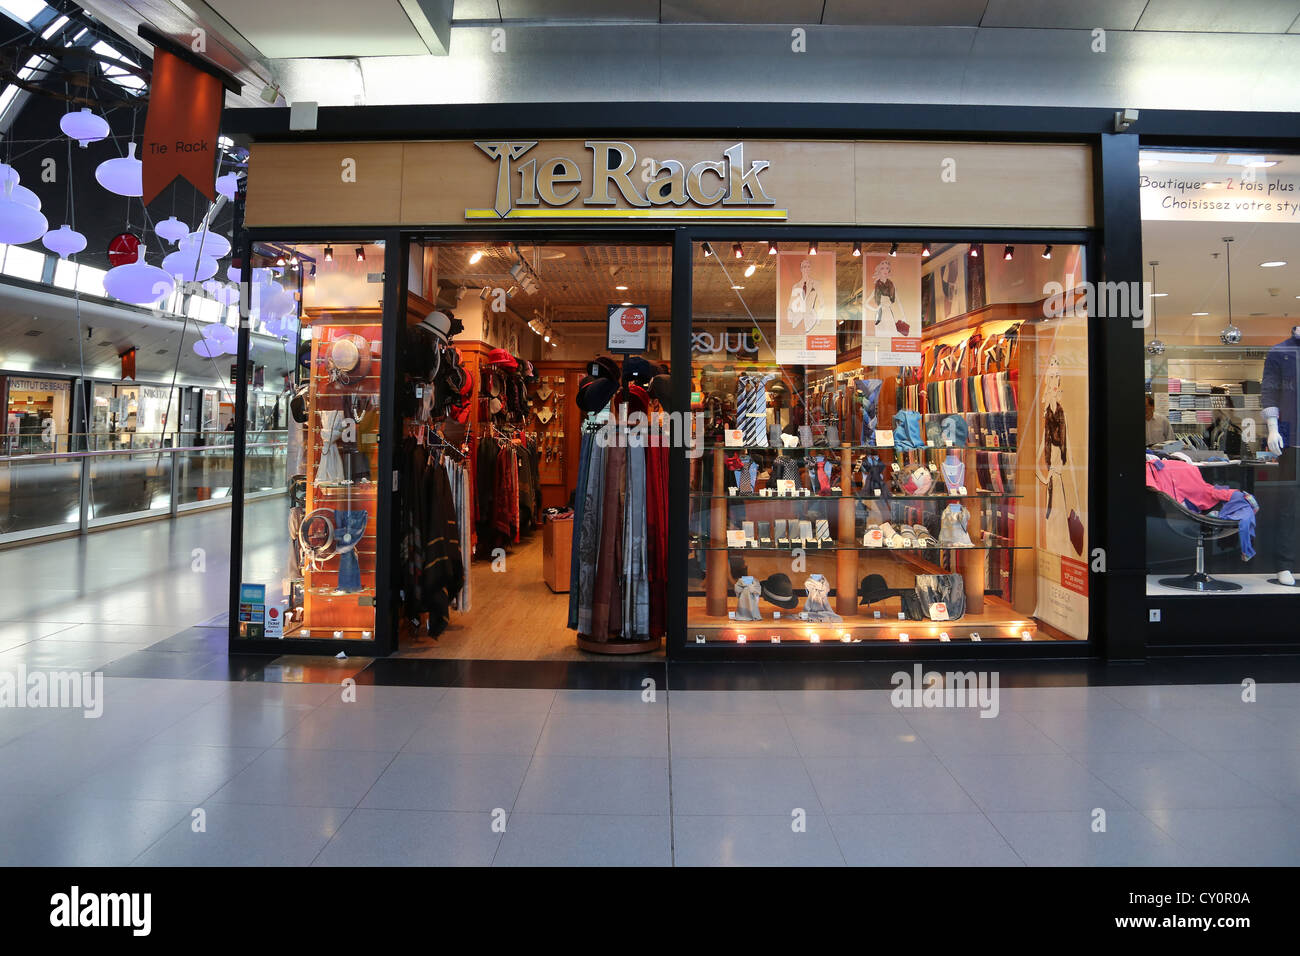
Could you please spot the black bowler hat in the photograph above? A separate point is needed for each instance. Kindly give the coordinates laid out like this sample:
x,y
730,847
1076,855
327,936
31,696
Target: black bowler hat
x,y
636,369
778,590
594,392
874,588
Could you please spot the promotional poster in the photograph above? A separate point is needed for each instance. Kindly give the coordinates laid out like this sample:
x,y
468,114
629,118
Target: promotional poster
x,y
891,309
805,309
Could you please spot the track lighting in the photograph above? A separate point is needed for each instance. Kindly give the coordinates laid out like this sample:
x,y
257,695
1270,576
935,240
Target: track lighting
x,y
857,249
329,253
361,254
771,248
812,248
893,250
708,250
1008,253
925,250
1047,252
475,257
279,260
738,251
293,259
974,251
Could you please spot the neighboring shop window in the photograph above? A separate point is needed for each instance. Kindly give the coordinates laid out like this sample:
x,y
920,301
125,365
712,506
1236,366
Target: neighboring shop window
x,y
895,443
316,578
1221,240
37,415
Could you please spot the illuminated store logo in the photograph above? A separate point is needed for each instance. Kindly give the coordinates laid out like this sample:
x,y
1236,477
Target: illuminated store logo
x,y
736,342
711,189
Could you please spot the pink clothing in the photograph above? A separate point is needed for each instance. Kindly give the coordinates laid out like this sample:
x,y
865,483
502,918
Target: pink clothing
x,y
1182,481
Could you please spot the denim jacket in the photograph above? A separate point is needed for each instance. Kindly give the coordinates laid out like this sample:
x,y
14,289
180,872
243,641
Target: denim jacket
x,y
1278,388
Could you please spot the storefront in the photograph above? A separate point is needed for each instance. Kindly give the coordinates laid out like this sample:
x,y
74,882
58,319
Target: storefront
x,y
904,415
37,414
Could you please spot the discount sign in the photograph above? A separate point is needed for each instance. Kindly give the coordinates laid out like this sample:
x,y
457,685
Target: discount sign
x,y
628,326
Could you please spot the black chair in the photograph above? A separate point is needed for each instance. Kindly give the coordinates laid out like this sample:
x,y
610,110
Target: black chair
x,y
1202,528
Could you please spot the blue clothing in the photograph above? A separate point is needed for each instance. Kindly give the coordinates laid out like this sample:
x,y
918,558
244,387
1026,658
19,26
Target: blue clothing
x,y
1278,388
1241,508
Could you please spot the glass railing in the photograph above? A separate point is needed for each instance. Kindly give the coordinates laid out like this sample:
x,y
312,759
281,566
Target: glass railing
x,y
53,492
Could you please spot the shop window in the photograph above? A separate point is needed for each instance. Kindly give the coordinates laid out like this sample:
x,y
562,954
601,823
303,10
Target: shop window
x,y
1221,241
894,443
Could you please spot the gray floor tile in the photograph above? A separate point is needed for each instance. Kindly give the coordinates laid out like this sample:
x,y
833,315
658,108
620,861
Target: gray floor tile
x,y
754,841
618,785
1178,696
1182,780
731,735
350,728
412,838
1276,772
1056,838
186,774
147,634
1242,728
306,778
1031,782
496,700
1057,699
921,839
614,702
605,735
585,839
475,732
823,703
723,702
854,785
1103,731
16,633
247,836
226,723
1253,836
471,782
741,785
966,732
417,702
72,831
855,735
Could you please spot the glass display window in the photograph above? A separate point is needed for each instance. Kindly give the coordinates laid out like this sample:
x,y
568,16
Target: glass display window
x,y
895,443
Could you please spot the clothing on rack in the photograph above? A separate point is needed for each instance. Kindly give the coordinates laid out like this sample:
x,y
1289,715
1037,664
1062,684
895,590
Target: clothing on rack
x,y
430,558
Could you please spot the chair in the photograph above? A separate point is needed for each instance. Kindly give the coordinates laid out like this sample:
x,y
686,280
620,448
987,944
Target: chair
x,y
1192,524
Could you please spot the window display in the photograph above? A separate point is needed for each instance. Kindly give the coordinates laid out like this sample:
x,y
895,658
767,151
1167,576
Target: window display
x,y
868,463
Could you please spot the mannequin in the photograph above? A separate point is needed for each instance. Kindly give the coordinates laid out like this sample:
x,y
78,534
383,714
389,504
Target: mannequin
x,y
1281,409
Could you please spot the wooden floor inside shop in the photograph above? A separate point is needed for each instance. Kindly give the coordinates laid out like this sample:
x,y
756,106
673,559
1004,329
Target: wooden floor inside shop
x,y
513,616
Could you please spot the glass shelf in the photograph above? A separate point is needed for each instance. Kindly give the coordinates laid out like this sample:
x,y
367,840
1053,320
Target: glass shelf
x,y
714,446
978,493
863,547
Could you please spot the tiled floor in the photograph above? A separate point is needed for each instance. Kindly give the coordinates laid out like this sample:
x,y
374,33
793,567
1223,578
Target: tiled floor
x,y
218,772
200,759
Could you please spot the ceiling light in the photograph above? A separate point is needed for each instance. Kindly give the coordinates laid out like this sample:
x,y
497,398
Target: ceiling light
x,y
329,253
484,292
1261,163
893,249
750,270
293,259
279,260
1047,252
1206,313
771,248
708,250
475,257
546,337
1231,334
361,254
1272,264
812,248
1008,252
857,249
1158,295
625,303
925,250
738,287
621,288
1155,346
974,251
738,251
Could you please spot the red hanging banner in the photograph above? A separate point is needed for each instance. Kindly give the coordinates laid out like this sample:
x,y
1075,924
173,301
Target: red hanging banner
x,y
180,130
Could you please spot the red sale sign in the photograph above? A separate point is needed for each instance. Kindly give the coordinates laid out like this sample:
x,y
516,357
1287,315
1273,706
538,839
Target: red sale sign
x,y
628,328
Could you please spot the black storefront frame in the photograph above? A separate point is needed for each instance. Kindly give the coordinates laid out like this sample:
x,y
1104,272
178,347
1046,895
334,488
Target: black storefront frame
x,y
1117,598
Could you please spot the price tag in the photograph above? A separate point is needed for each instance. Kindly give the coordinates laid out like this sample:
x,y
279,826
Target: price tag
x,y
938,611
699,638
734,438
731,615
902,616
876,615
884,437
776,638
735,539
785,487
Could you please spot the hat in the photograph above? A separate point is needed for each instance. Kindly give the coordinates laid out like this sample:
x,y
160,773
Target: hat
x,y
637,369
778,590
501,357
604,367
874,588
594,392
439,323
348,358
298,405
662,387
636,397
304,354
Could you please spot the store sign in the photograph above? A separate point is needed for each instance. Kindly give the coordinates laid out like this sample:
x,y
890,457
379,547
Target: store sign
x,y
38,385
622,186
628,328
1205,192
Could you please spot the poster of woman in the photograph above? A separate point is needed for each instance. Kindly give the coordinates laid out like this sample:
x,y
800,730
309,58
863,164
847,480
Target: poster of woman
x,y
805,309
891,309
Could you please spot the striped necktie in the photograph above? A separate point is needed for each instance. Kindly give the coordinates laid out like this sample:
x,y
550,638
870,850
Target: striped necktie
x,y
751,409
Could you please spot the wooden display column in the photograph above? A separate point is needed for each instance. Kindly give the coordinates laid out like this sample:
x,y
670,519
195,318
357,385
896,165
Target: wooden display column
x,y
846,559
974,561
715,562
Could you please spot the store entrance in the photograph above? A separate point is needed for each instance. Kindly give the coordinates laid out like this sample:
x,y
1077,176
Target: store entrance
x,y
522,325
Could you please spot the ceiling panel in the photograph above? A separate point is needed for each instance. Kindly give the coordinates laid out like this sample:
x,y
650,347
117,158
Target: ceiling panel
x,y
643,10
1214,16
752,11
1064,14
299,28
915,13
475,10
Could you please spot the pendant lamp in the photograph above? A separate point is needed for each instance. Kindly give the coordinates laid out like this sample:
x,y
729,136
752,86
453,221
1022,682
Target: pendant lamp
x,y
85,126
212,244
19,222
217,332
21,193
208,348
1230,335
171,229
188,267
228,184
1155,346
138,282
64,241
123,176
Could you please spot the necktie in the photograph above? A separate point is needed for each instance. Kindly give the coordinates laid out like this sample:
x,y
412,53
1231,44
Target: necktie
x,y
745,478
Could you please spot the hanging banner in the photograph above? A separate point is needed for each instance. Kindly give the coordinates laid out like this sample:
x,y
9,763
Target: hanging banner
x,y
805,309
180,129
891,309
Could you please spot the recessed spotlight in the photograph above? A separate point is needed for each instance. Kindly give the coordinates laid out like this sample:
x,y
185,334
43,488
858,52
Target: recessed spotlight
x,y
925,250
475,257
1158,295
738,287
771,248
738,251
1206,313
361,254
750,270
1272,264
1008,252
621,288
857,249
974,251
329,253
893,249
812,248
1047,252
